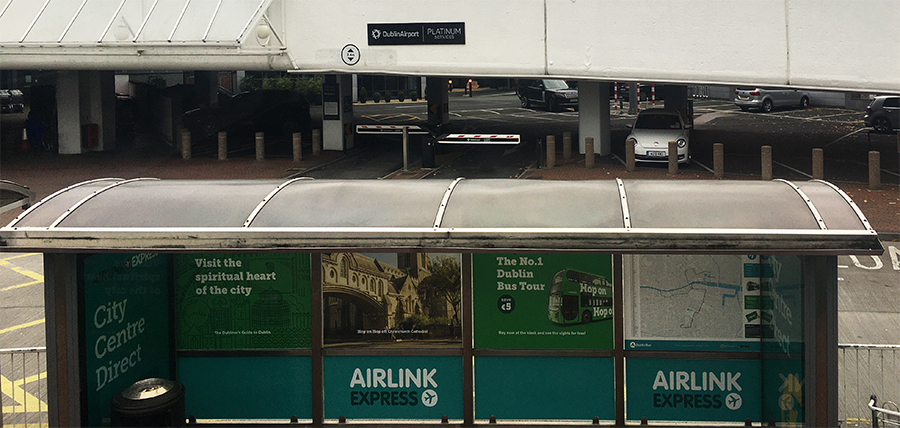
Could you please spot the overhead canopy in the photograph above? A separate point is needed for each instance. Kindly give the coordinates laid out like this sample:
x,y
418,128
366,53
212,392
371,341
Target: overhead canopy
x,y
139,34
629,216
14,195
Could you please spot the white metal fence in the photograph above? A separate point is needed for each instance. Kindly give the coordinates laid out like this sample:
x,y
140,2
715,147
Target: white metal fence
x,y
863,371
23,383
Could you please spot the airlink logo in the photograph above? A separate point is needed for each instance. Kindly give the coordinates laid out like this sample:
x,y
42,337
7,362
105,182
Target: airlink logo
x,y
389,387
701,386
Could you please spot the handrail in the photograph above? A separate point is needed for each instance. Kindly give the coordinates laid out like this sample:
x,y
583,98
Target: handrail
x,y
878,412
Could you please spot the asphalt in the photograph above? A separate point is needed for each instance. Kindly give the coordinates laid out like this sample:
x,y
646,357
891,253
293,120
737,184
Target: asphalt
x,y
46,173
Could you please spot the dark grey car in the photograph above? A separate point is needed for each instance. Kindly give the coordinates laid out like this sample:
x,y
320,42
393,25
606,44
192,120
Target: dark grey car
x,y
883,113
555,94
766,99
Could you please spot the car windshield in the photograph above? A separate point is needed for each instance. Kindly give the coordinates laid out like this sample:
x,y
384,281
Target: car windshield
x,y
555,84
657,121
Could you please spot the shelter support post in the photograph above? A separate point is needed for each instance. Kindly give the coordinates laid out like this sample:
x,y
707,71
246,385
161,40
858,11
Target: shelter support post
x,y
820,342
63,364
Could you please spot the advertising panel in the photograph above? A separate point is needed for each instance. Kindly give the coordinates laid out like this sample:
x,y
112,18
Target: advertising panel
x,y
389,387
242,301
692,390
391,300
266,387
544,388
542,301
695,302
126,326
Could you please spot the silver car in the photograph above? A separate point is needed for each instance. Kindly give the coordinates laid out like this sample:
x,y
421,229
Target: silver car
x,y
652,131
767,99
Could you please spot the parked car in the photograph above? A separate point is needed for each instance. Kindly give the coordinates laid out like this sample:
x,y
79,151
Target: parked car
x,y
11,101
554,94
652,131
766,99
276,113
883,113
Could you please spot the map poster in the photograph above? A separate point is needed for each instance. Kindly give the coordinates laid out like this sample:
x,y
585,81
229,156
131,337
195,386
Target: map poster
x,y
542,301
393,387
695,302
242,301
693,390
392,300
126,326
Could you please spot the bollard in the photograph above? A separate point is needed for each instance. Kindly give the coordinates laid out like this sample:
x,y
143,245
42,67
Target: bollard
x,y
588,152
874,170
629,155
567,146
673,158
260,146
406,148
719,160
185,144
766,159
316,142
297,141
223,145
818,168
644,421
551,151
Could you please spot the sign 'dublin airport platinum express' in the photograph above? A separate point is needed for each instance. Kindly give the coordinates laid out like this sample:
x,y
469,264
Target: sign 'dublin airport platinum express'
x,y
430,33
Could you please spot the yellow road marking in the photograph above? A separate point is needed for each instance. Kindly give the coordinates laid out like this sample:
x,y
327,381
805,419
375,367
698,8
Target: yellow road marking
x,y
26,402
21,326
36,277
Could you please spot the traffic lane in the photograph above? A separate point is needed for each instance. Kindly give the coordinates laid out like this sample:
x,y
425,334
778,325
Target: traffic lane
x,y
868,297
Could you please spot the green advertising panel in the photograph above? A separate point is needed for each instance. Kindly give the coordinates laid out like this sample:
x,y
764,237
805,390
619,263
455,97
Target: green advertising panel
x,y
542,301
242,301
570,388
247,387
693,390
126,326
389,387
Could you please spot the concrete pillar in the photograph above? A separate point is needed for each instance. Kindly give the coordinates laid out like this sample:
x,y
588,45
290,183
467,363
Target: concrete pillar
x,y
337,117
82,98
438,101
593,116
185,144
567,146
316,142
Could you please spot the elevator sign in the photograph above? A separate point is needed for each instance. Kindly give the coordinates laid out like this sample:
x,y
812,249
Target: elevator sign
x,y
431,33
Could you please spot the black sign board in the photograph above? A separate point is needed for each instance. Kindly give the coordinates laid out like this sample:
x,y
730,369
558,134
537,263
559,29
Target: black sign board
x,y
430,33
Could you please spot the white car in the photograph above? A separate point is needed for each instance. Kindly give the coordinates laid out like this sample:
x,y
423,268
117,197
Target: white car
x,y
653,130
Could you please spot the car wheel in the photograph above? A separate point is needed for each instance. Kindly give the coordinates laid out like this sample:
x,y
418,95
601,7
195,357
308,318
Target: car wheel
x,y
767,106
804,102
525,102
586,317
881,124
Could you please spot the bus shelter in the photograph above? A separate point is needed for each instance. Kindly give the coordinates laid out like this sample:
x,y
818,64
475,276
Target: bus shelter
x,y
463,301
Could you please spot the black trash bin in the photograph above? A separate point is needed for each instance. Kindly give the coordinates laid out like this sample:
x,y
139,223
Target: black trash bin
x,y
150,402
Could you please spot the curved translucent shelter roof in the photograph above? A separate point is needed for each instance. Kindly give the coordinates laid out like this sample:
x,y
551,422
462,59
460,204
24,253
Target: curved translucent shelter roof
x,y
632,216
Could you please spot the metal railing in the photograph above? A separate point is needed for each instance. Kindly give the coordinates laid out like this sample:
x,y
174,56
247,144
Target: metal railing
x,y
864,371
23,388
883,417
